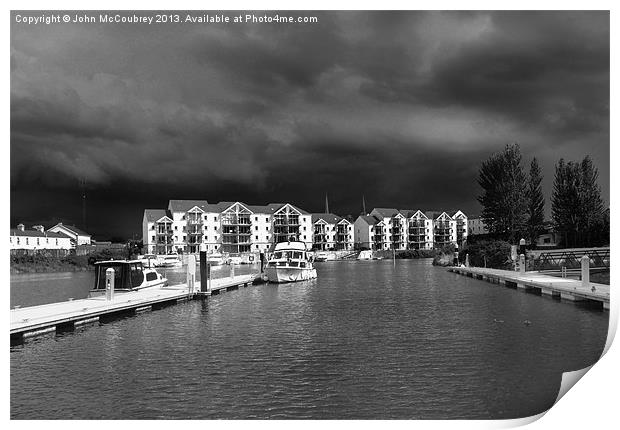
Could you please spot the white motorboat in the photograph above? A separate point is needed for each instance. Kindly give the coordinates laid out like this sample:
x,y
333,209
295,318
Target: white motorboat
x,y
290,262
324,256
168,261
129,275
149,260
365,255
215,259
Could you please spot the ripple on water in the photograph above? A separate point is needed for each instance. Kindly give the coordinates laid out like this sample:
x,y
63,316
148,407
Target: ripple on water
x,y
364,341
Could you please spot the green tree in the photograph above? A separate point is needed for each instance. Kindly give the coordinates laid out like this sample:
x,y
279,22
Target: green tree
x,y
503,200
577,206
565,201
535,202
592,209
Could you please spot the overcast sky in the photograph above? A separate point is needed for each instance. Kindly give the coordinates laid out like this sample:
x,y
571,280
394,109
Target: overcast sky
x,y
398,107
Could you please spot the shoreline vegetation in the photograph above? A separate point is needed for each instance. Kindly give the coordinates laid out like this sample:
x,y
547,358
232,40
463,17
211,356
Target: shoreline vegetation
x,y
39,263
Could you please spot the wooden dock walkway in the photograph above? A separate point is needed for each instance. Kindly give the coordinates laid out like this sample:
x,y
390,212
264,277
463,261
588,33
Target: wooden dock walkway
x,y
66,316
567,289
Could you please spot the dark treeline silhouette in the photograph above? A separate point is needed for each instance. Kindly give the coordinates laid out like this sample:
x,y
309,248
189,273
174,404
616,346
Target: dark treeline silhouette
x,y
513,202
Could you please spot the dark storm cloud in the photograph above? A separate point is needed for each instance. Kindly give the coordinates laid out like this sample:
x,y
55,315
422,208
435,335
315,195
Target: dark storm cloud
x,y
398,106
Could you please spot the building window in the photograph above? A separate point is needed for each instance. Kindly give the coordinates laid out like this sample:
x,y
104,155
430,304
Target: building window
x,y
267,219
176,227
256,228
56,241
267,237
256,237
215,228
183,237
266,228
304,236
304,228
215,218
153,238
256,218
256,246
205,217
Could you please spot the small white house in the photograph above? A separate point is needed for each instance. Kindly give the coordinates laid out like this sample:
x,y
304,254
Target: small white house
x,y
37,238
78,237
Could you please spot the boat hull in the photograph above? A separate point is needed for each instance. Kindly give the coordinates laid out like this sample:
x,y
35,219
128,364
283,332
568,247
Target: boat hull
x,y
289,274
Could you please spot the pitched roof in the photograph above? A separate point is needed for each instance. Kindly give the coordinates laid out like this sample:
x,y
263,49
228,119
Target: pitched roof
x,y
72,228
370,219
385,212
277,206
185,205
36,233
153,215
327,217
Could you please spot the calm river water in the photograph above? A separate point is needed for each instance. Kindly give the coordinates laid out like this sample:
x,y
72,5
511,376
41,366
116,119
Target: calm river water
x,y
363,341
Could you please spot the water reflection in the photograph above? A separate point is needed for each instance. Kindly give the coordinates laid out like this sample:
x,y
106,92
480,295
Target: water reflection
x,y
365,340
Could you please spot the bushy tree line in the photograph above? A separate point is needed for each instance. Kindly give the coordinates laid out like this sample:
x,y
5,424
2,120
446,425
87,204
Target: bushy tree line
x,y
513,202
577,208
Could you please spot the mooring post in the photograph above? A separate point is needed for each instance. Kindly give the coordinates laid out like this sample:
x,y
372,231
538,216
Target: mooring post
x,y
585,271
522,264
467,260
191,273
232,270
204,267
109,284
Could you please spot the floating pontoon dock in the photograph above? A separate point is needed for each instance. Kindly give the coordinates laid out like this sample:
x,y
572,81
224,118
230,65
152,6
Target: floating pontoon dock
x,y
65,316
567,289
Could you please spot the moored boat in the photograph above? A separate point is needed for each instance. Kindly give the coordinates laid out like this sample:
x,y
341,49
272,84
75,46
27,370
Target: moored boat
x,y
168,261
365,255
290,262
129,275
215,259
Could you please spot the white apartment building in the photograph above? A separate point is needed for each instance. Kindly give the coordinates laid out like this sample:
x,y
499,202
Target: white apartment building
x,y
390,228
331,232
38,238
228,227
368,232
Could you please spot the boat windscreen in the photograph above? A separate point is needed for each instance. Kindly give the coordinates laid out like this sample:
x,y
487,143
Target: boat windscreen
x,y
119,275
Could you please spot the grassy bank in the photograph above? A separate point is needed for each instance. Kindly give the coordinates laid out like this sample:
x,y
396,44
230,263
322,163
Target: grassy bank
x,y
70,263
408,254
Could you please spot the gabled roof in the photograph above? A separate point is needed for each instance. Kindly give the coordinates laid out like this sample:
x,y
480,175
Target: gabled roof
x,y
185,205
37,233
277,206
229,205
442,214
370,219
328,218
154,215
416,213
457,213
385,212
72,228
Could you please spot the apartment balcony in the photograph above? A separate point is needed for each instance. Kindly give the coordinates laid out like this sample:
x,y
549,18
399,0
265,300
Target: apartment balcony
x,y
236,221
343,237
194,221
163,232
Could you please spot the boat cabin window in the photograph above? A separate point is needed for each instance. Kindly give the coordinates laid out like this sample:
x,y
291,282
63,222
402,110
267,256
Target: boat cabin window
x,y
151,276
297,255
119,276
137,277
